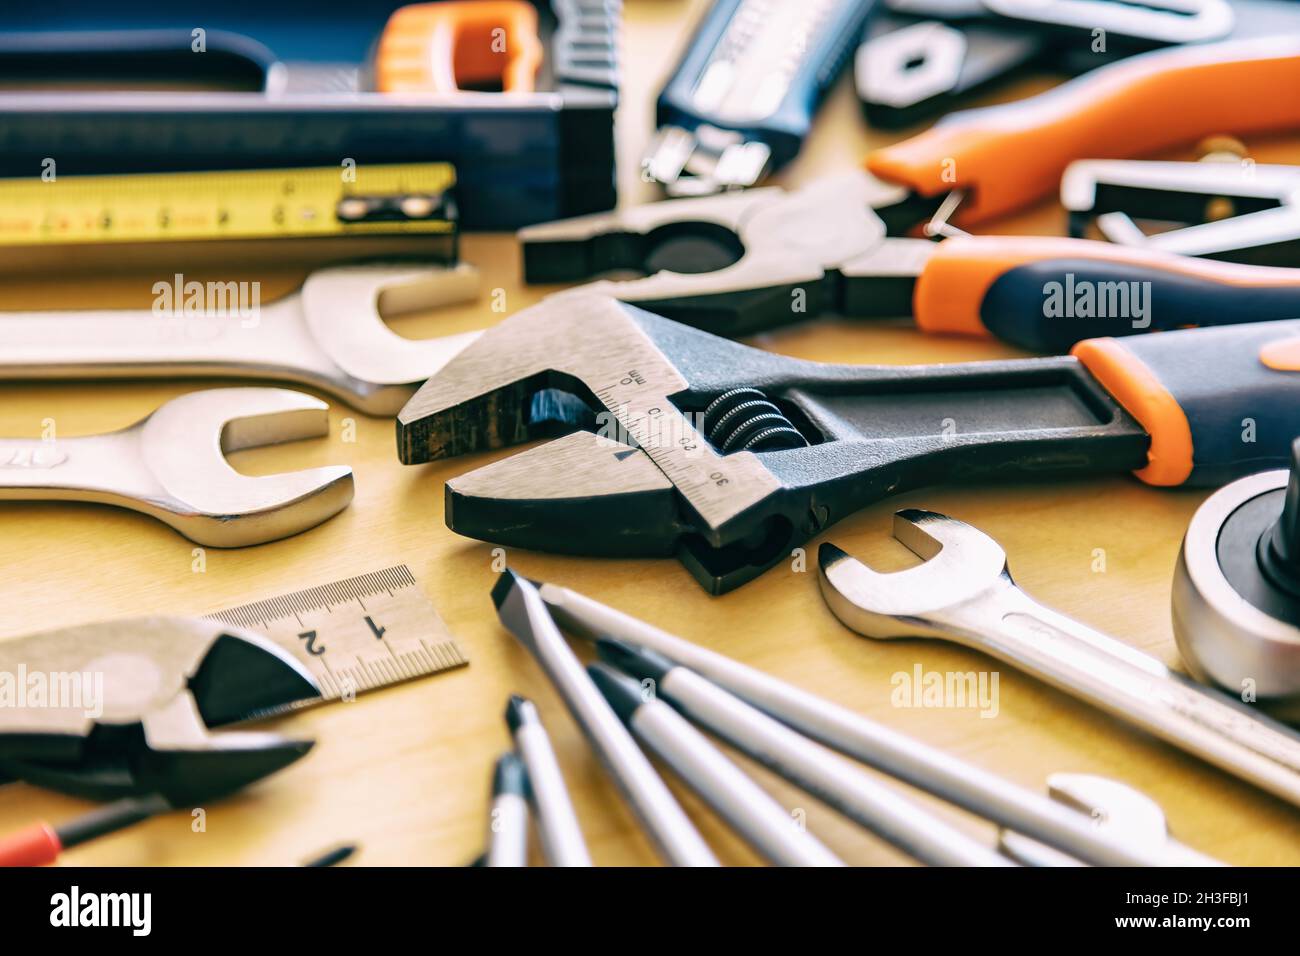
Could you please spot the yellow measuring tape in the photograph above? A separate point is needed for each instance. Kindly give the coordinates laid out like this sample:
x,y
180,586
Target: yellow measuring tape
x,y
325,202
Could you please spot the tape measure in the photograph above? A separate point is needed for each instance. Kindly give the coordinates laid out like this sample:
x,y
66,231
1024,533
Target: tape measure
x,y
358,634
310,203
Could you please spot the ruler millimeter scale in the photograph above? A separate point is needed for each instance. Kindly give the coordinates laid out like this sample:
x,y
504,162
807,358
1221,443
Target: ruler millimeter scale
x,y
358,634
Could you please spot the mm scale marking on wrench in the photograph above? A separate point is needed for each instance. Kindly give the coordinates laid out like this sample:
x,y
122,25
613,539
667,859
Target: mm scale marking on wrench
x,y
357,634
717,487
709,482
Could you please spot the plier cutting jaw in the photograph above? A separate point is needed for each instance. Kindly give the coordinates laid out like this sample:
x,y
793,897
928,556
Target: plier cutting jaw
x,y
128,708
739,263
742,262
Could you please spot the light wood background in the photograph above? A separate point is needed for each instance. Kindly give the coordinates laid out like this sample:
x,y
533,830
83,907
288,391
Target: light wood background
x,y
405,772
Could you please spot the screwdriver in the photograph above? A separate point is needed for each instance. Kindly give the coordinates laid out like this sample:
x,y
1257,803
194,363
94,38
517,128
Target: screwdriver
x,y
522,612
40,843
877,745
762,821
808,765
557,823
508,829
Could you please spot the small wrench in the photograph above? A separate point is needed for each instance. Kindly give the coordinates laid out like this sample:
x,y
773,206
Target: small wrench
x,y
963,591
1124,811
328,335
171,465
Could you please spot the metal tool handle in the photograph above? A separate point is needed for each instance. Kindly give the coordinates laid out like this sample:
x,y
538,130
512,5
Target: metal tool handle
x,y
91,468
1137,688
118,342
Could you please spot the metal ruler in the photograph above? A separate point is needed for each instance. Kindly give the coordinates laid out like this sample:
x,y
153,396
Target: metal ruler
x,y
357,634
308,203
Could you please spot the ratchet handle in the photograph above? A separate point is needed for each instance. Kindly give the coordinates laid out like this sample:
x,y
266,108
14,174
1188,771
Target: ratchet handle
x,y
1218,403
1046,294
781,98
1009,155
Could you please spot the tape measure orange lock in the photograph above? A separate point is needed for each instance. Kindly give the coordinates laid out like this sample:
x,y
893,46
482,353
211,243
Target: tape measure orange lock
x,y
463,44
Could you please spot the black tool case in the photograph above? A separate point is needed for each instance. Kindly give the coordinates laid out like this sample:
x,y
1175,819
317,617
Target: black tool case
x,y
93,86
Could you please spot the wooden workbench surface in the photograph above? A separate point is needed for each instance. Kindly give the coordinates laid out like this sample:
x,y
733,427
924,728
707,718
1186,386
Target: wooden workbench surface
x,y
405,772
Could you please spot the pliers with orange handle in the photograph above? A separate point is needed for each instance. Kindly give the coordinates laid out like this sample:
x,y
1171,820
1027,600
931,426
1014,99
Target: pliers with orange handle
x,y
743,262
1004,157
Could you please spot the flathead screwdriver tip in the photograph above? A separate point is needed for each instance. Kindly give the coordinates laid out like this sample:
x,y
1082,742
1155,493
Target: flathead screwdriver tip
x,y
622,692
519,711
510,775
505,584
333,857
632,659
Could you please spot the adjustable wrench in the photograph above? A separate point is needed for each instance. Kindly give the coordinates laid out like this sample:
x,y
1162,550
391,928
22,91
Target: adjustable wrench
x,y
171,465
328,335
963,591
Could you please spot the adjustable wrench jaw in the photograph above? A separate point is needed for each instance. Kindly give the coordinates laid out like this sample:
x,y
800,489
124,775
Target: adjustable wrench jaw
x,y
127,707
642,481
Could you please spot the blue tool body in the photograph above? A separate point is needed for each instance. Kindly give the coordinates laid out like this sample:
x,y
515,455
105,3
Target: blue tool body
x,y
755,72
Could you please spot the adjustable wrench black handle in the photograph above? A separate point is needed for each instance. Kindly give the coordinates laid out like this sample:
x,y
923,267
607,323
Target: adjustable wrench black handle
x,y
1218,404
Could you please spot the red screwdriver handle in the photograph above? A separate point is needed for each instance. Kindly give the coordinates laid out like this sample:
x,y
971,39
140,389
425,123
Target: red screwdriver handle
x,y
35,845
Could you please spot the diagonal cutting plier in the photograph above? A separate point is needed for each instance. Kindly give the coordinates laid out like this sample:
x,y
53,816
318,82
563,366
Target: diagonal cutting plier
x,y
128,708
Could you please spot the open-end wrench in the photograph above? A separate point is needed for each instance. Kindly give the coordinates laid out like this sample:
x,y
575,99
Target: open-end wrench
x,y
963,591
171,465
328,335
1124,811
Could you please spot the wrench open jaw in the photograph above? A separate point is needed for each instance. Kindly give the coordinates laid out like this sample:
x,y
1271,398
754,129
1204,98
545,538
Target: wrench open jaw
x,y
130,706
1125,811
960,566
172,466
963,592
726,455
329,335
